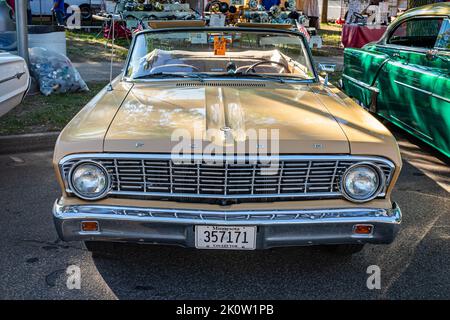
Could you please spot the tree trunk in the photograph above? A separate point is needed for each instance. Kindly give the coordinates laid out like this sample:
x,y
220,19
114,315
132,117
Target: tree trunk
x,y
324,17
418,3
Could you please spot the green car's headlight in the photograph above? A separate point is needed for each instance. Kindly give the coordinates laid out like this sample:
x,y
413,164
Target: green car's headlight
x,y
362,182
89,180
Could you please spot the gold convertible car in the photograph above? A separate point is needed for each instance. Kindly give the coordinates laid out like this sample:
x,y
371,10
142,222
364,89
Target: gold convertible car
x,y
225,138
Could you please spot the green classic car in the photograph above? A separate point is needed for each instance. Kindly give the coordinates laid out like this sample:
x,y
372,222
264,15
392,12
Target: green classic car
x,y
405,76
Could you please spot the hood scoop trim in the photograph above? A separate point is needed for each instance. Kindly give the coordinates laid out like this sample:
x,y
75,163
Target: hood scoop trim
x,y
221,84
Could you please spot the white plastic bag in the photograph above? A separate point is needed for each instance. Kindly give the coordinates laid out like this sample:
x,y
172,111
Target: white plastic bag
x,y
55,72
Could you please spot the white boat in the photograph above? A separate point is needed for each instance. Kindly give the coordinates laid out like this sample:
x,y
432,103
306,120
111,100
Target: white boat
x,y
14,81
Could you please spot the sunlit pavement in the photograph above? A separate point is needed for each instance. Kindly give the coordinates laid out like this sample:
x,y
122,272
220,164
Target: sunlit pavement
x,y
97,71
33,261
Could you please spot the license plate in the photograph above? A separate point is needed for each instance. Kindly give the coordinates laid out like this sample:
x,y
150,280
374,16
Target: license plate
x,y
225,237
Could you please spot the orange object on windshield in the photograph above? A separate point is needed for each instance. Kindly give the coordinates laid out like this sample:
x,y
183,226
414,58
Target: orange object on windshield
x,y
220,46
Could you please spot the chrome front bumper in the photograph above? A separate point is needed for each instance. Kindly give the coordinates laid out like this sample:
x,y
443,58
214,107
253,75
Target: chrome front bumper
x,y
275,228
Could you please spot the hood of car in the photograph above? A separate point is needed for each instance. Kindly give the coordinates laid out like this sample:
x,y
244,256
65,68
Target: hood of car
x,y
215,117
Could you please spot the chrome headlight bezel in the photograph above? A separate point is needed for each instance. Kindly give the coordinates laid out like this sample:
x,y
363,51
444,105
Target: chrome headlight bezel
x,y
381,182
77,193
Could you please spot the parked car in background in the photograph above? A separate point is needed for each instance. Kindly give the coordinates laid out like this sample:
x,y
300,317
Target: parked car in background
x,y
44,7
405,76
14,81
225,138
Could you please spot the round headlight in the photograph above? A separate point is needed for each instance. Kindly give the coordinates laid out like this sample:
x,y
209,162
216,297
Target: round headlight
x,y
362,182
89,180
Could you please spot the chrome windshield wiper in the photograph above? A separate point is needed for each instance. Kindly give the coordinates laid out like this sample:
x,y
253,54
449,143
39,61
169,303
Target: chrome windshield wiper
x,y
202,76
199,76
262,76
280,79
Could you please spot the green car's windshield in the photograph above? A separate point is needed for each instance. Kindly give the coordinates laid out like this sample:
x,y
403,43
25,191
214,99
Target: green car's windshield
x,y
209,53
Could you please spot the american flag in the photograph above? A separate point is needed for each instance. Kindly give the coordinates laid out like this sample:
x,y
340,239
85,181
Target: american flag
x,y
139,27
301,28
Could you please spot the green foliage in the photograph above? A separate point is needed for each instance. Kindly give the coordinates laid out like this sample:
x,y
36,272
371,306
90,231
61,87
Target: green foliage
x,y
84,46
39,113
331,40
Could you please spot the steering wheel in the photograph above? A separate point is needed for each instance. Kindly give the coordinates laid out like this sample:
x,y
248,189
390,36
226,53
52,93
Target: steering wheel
x,y
175,65
259,63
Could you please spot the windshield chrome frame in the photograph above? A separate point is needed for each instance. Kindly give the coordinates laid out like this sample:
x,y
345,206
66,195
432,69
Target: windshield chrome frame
x,y
308,55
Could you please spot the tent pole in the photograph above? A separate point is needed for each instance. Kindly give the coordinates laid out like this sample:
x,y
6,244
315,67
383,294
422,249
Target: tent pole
x,y
22,29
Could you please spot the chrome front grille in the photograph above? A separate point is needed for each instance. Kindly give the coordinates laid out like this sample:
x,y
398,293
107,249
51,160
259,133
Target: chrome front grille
x,y
285,176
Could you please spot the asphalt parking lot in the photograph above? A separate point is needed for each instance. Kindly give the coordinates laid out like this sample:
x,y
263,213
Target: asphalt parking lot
x,y
33,261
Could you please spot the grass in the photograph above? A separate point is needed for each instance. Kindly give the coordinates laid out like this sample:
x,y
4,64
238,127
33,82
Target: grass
x,y
331,40
84,46
39,113
331,34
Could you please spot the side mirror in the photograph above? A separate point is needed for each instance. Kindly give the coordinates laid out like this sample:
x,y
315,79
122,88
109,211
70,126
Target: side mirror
x,y
325,69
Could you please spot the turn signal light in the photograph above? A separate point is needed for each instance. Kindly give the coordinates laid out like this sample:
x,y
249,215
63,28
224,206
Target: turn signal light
x,y
363,229
89,226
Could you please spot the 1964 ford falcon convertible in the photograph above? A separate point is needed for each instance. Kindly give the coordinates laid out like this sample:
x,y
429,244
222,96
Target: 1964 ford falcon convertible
x,y
225,138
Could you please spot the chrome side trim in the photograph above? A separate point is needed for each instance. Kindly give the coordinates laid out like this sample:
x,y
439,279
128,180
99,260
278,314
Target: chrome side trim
x,y
413,88
18,75
411,128
423,91
440,97
215,217
361,84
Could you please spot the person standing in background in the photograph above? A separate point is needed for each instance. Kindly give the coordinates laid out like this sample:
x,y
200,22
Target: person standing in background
x,y
59,10
12,5
29,15
311,10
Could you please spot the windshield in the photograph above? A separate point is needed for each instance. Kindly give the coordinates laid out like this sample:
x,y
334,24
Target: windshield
x,y
212,53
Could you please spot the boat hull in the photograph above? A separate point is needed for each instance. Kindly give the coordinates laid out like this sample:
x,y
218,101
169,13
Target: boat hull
x,y
14,81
